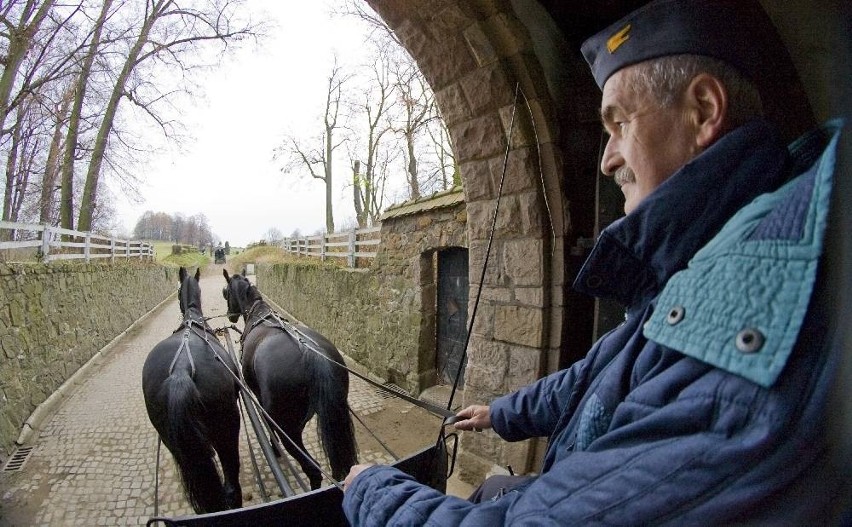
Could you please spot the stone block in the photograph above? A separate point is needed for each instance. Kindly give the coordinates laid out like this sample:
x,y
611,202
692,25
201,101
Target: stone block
x,y
444,59
530,296
522,260
507,34
521,171
472,468
532,213
525,367
478,138
481,214
480,46
454,107
509,221
487,89
478,180
448,18
518,325
496,295
487,373
16,311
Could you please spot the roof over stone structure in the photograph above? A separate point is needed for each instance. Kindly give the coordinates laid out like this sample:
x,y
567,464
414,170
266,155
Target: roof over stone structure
x,y
439,200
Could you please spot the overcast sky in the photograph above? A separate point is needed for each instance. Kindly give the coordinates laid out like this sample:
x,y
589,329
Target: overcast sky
x,y
227,172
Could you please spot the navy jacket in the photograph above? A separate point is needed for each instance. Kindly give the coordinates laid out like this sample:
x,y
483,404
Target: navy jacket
x,y
706,405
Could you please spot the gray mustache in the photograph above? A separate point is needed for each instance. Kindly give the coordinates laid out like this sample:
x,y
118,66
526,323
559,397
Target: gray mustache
x,y
624,175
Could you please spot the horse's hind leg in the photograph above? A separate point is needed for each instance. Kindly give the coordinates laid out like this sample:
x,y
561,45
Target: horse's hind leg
x,y
228,448
301,455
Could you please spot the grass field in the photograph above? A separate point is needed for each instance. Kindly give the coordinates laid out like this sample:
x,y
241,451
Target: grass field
x,y
267,254
163,254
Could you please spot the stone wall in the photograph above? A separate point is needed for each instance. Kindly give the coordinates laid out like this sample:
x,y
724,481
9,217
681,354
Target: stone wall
x,y
54,318
383,317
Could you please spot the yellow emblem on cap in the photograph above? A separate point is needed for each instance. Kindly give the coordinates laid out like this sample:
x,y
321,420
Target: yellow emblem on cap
x,y
618,39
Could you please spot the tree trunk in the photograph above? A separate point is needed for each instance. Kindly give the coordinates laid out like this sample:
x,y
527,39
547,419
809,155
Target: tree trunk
x,y
93,174
413,183
66,206
52,167
357,197
11,170
329,150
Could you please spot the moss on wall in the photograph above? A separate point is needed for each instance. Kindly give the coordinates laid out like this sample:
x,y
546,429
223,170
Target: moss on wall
x,y
54,318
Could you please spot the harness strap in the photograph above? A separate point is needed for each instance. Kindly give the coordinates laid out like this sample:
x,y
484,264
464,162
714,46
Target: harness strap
x,y
184,345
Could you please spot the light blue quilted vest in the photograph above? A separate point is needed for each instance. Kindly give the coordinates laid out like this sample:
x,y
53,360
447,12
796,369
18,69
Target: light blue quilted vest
x,y
740,303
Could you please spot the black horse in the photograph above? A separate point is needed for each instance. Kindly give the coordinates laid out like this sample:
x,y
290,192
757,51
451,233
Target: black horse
x,y
289,368
192,402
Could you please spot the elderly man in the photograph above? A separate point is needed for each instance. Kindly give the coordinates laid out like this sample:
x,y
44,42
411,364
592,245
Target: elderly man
x,y
706,405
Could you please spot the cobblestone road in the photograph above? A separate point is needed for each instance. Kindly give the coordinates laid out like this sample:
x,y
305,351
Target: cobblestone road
x,y
93,462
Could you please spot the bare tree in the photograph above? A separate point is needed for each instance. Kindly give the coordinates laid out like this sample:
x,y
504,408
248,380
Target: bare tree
x,y
67,66
379,30
417,110
21,22
316,155
66,209
274,236
446,170
36,45
373,110
52,168
429,164
170,32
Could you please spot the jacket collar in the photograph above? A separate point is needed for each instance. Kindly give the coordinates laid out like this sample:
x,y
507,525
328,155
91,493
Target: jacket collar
x,y
635,256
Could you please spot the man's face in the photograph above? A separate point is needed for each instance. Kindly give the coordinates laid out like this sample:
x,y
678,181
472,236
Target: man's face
x,y
647,144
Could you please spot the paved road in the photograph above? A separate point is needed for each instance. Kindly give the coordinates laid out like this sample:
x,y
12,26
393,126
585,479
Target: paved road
x,y
93,462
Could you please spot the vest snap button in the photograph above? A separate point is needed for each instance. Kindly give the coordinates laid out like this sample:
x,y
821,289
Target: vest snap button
x,y
594,281
749,340
675,315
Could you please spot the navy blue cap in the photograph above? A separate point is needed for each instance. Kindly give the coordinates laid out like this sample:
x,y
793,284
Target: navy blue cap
x,y
737,32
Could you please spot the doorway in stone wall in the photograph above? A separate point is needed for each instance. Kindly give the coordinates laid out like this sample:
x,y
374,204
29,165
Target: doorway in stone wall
x,y
451,330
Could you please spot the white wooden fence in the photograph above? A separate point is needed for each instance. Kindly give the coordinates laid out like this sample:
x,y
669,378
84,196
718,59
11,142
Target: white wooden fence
x,y
351,245
47,244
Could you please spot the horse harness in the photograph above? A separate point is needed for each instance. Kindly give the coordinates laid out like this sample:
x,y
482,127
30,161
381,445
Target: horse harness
x,y
272,319
188,327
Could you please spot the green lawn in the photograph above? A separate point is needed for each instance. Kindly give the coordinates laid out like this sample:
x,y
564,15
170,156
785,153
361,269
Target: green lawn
x,y
189,259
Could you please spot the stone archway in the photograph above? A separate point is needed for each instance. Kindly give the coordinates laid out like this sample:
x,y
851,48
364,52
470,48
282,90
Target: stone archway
x,y
473,55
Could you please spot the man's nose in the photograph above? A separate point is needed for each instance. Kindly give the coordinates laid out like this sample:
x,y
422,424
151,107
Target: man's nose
x,y
611,159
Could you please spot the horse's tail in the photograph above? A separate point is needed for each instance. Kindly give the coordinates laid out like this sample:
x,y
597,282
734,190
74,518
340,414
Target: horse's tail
x,y
330,389
190,445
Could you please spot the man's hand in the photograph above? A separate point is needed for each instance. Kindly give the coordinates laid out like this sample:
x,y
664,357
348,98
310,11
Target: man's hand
x,y
476,417
353,473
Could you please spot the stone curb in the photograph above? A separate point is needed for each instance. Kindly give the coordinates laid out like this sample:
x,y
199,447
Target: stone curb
x,y
42,411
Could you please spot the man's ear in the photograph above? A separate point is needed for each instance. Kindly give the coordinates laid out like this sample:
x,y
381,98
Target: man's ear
x,y
707,98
